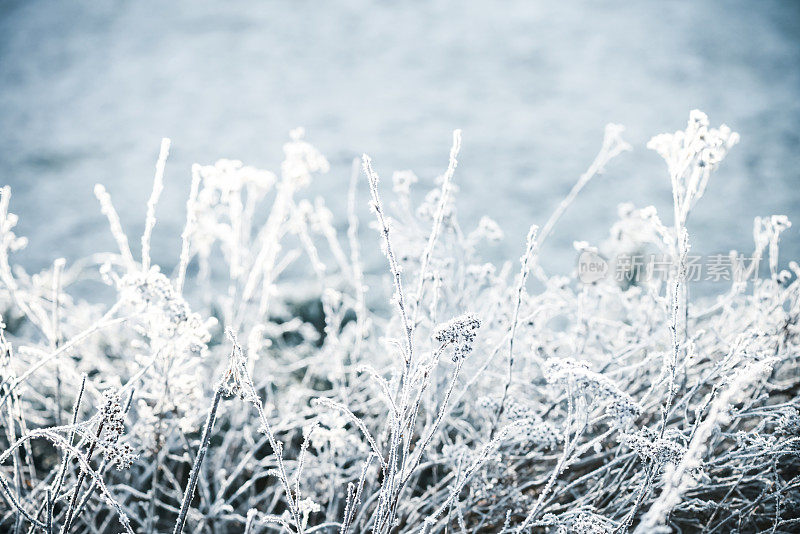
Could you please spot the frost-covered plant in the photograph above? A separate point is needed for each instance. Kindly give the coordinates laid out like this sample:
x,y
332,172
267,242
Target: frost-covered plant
x,y
484,398
459,333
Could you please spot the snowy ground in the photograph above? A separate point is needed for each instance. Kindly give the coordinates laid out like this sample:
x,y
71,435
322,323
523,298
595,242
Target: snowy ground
x,y
87,90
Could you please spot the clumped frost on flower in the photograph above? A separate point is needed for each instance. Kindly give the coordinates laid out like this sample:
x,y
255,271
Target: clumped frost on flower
x,y
487,229
621,407
572,406
582,523
166,314
402,182
458,333
789,422
659,451
115,452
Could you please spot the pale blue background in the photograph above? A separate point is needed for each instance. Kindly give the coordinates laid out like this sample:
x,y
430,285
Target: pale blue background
x,y
87,89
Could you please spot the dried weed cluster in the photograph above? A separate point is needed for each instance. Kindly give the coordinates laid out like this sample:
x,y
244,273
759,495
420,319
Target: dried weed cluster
x,y
488,398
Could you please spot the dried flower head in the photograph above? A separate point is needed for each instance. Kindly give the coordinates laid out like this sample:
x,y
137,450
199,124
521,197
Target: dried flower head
x,y
112,419
460,333
789,422
165,312
302,160
487,229
235,379
402,182
581,522
621,407
659,451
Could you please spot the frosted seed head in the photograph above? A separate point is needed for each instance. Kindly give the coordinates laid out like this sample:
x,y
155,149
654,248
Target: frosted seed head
x,y
459,332
489,230
582,522
402,182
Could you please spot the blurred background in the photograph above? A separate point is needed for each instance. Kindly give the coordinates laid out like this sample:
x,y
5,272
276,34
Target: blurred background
x,y
87,90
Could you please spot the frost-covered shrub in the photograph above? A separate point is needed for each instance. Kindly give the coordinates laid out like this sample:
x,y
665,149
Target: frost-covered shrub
x,y
485,398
